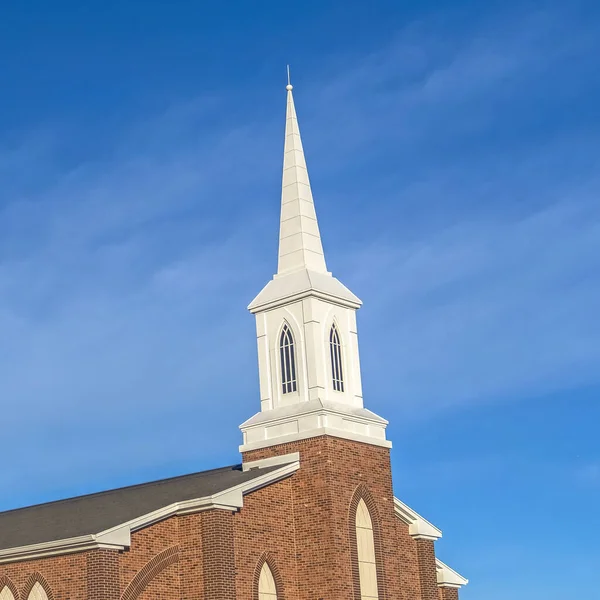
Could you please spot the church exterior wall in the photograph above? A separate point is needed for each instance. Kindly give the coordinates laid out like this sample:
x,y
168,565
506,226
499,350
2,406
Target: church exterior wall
x,y
265,530
302,526
427,570
65,576
145,545
331,472
164,585
448,593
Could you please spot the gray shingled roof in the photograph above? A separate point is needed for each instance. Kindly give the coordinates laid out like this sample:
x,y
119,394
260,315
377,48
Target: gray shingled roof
x,y
91,514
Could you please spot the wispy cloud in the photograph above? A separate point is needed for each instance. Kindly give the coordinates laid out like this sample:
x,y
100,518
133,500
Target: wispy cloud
x,y
486,310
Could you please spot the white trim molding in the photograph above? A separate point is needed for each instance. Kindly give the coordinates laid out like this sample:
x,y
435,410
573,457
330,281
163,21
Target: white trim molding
x,y
119,537
447,577
272,461
311,419
418,527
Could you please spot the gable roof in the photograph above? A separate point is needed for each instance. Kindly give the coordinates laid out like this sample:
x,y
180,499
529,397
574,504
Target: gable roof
x,y
89,518
447,577
418,527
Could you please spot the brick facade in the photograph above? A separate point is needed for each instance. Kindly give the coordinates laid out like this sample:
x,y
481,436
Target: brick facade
x,y
332,471
427,572
448,593
302,526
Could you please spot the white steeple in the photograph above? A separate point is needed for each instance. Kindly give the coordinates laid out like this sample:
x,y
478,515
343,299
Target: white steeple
x,y
300,244
308,357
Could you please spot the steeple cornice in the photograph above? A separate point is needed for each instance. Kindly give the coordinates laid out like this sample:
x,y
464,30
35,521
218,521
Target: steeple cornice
x,y
302,284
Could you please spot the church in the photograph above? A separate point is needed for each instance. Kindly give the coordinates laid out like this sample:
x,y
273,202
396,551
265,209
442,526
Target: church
x,y
309,513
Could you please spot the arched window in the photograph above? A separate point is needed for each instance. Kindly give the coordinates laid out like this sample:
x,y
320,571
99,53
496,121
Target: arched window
x,y
335,349
365,548
37,592
6,594
266,584
288,360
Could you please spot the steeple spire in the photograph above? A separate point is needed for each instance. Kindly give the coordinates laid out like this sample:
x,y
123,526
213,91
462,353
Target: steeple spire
x,y
300,244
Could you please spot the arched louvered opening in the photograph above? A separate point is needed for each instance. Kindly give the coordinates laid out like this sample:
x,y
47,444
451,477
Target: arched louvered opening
x,y
365,549
335,350
37,592
6,594
267,590
288,361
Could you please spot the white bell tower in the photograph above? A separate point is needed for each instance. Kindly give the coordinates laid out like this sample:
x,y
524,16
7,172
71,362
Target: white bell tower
x,y
308,357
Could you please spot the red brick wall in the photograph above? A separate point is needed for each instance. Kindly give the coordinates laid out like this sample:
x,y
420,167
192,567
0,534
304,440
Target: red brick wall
x,y
447,593
219,555
191,576
145,545
164,586
331,470
427,570
265,530
103,575
66,576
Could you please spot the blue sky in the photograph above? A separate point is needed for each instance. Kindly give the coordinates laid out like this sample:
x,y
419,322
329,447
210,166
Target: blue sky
x,y
453,149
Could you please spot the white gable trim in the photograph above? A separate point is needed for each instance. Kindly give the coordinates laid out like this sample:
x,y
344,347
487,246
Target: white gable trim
x,y
418,527
447,577
119,537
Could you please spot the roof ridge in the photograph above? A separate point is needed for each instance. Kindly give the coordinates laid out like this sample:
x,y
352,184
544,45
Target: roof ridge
x,y
124,487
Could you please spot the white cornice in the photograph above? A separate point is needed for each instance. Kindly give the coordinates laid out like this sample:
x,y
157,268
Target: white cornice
x,y
312,419
271,461
317,432
447,577
291,287
119,537
418,527
258,306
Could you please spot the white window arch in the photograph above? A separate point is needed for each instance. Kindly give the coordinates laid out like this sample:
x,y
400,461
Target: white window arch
x,y
335,351
6,594
287,357
37,592
267,590
365,548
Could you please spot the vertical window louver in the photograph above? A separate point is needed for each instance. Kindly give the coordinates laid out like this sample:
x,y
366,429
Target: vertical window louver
x,y
365,548
288,361
335,349
266,584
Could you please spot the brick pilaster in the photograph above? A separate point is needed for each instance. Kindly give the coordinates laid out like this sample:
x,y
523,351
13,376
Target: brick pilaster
x,y
218,555
427,570
190,558
448,593
103,575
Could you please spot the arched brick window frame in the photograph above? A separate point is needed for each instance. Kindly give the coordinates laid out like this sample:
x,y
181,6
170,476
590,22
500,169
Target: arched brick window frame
x,y
30,583
149,571
267,558
362,493
5,582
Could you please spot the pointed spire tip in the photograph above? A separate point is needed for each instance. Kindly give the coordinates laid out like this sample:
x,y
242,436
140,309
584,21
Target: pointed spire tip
x,y
289,87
